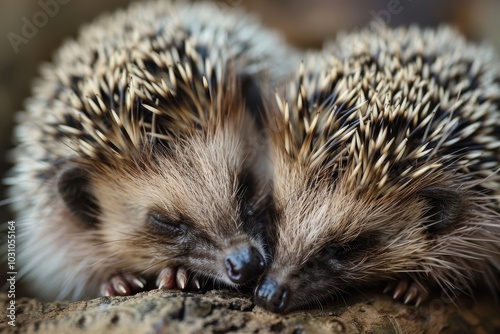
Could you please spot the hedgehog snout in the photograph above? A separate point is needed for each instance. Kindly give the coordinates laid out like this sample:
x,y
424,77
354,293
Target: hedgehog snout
x,y
272,296
244,264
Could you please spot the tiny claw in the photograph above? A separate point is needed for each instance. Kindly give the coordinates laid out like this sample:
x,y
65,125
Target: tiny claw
x,y
136,282
196,283
409,296
120,286
412,292
389,287
400,289
166,279
408,299
422,293
182,278
106,290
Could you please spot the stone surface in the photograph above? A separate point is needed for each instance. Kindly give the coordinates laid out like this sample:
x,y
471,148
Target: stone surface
x,y
232,312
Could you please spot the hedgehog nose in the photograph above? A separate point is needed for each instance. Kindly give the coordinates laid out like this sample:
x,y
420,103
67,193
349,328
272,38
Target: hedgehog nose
x,y
244,264
272,296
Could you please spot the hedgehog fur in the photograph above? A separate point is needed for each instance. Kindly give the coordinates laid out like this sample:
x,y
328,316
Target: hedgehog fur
x,y
137,157
386,152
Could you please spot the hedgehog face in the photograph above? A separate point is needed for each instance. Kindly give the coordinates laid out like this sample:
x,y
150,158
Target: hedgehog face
x,y
196,206
386,166
330,240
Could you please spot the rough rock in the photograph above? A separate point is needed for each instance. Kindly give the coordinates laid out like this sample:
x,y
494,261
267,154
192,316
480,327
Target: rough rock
x,y
232,312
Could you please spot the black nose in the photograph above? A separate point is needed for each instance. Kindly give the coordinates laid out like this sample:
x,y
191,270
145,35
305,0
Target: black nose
x,y
244,264
272,296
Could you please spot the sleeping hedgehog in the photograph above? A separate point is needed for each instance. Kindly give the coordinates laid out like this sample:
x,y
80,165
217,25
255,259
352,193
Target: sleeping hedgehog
x,y
136,158
386,156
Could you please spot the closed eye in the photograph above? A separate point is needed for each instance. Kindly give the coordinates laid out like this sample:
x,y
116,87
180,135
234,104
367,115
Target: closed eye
x,y
350,249
166,226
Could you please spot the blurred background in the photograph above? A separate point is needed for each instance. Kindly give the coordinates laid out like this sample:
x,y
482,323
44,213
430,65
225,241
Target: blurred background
x,y
304,23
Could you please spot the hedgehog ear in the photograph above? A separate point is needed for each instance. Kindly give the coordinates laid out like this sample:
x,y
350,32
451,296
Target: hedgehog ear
x,y
445,206
74,187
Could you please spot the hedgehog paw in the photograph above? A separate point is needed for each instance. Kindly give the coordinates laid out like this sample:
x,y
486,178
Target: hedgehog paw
x,y
177,278
410,291
123,285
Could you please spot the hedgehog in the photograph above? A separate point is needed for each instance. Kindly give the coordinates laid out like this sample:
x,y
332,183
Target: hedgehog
x,y
385,149
138,157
